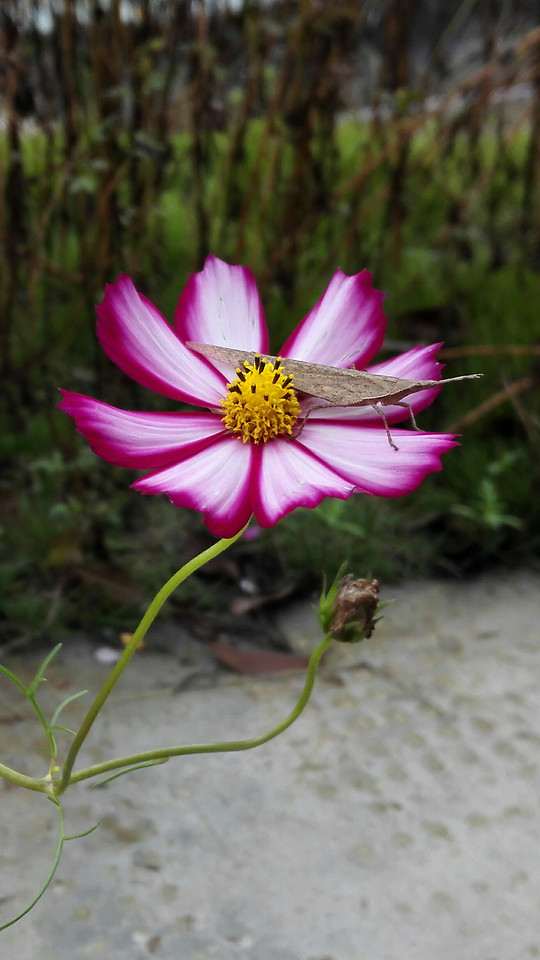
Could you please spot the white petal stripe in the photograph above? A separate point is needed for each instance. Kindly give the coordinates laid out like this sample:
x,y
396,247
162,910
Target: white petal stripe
x,y
221,305
139,440
215,481
345,328
290,477
136,337
418,363
363,456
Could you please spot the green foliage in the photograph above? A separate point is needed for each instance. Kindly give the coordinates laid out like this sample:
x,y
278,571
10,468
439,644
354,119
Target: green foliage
x,y
76,545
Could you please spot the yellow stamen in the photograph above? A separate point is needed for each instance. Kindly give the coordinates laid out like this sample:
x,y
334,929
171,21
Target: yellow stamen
x,y
260,403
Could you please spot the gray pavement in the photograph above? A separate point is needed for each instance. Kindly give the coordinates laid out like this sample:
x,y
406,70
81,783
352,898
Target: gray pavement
x,y
397,820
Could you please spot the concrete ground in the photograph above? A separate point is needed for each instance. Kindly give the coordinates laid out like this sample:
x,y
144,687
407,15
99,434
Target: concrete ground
x,y
398,819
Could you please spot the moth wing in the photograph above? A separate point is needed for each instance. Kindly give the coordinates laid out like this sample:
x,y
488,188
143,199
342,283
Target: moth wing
x,y
340,387
332,384
227,355
343,387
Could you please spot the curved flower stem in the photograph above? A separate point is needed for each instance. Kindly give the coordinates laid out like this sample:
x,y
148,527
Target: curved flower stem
x,y
227,746
132,646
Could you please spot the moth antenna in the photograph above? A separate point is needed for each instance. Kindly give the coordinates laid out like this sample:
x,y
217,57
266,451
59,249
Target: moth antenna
x,y
465,376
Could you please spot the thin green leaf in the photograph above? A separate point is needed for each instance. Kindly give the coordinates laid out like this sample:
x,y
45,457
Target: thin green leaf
x,y
138,766
63,729
29,694
41,670
50,736
86,833
15,679
56,714
50,875
53,746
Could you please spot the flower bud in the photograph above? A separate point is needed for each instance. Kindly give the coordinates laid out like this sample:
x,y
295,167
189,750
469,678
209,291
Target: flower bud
x,y
348,609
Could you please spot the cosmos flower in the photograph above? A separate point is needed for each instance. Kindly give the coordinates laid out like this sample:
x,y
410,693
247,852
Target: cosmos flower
x,y
242,454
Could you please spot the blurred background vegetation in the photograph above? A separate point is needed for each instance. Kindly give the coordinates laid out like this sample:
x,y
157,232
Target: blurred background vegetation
x,y
296,137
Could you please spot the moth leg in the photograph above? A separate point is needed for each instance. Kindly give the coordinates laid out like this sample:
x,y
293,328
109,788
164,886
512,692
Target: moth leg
x,y
403,403
300,424
382,415
297,429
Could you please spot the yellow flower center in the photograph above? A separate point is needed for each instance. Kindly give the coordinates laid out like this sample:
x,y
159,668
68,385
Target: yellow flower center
x,y
261,403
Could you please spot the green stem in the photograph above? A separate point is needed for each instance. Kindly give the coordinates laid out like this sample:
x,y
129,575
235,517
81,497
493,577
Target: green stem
x,y
41,784
48,732
227,746
132,646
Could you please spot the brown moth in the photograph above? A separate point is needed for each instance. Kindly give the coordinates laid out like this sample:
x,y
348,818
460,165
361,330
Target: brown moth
x,y
338,386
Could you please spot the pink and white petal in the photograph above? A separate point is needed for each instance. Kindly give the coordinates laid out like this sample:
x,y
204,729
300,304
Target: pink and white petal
x,y
215,481
363,456
136,337
287,477
221,305
139,440
346,326
419,363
